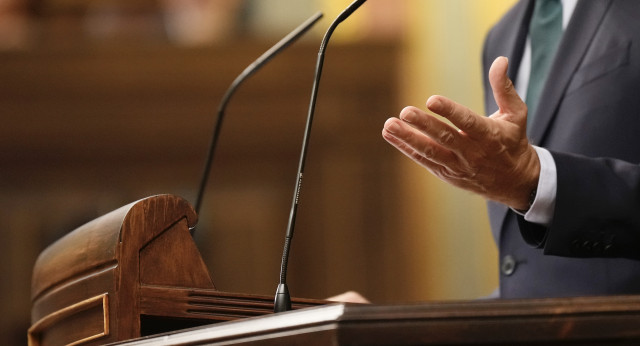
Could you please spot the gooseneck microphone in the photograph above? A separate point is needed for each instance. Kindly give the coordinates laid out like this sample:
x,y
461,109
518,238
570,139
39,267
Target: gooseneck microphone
x,y
250,70
282,301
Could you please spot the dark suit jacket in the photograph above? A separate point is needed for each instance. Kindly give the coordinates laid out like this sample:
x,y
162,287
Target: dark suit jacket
x,y
589,118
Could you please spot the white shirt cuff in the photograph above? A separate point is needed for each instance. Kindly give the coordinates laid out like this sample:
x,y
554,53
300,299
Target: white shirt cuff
x,y
542,209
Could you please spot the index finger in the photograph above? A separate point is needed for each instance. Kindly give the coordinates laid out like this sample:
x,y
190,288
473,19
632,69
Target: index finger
x,y
462,117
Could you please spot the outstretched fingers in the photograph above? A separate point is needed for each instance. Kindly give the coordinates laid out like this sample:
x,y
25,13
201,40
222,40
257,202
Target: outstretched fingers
x,y
418,156
414,143
438,131
462,117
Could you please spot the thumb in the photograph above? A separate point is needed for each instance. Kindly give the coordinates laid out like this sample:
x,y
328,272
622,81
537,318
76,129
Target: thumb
x,y
504,92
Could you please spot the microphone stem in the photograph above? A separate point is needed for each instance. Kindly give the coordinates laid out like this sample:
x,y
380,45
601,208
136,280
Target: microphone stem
x,y
283,291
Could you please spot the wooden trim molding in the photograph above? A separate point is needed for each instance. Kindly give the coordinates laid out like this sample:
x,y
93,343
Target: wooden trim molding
x,y
48,322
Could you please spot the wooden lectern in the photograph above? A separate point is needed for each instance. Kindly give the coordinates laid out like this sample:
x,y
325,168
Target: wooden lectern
x,y
136,272
133,272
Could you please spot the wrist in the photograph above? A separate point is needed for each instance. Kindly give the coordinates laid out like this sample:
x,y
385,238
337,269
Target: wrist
x,y
527,190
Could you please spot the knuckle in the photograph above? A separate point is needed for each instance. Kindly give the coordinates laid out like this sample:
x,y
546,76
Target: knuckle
x,y
441,173
469,121
428,151
495,147
420,158
416,156
493,134
508,86
447,175
451,174
446,138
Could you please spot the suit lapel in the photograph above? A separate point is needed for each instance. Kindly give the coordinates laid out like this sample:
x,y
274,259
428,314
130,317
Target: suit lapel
x,y
584,23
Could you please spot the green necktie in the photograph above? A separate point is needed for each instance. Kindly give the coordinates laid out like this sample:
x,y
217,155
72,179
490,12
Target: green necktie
x,y
545,31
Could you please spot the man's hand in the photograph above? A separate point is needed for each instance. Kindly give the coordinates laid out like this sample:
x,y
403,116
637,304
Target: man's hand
x,y
350,297
490,156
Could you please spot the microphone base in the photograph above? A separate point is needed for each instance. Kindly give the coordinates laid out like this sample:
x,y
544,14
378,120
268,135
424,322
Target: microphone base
x,y
282,300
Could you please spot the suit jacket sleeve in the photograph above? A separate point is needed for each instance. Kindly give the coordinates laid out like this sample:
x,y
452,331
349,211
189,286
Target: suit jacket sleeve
x,y
597,210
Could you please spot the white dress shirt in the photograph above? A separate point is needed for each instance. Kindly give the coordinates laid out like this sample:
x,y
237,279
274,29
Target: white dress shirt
x,y
541,211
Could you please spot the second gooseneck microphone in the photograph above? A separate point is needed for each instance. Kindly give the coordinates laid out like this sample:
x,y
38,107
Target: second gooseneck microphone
x,y
282,301
250,70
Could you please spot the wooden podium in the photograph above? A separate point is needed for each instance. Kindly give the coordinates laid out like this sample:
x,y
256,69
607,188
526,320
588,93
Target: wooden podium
x,y
574,321
133,272
136,272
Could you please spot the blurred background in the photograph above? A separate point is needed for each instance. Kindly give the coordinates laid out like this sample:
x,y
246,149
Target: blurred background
x,y
104,102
